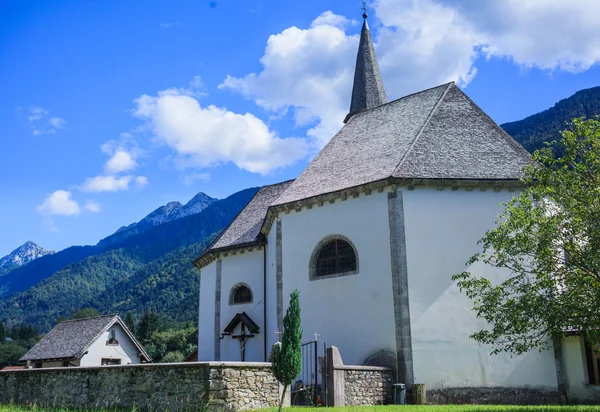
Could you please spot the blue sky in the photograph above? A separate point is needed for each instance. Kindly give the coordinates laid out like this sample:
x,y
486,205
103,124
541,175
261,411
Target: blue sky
x,y
110,109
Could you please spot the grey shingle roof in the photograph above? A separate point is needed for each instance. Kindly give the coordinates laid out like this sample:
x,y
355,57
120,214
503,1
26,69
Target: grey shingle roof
x,y
367,91
70,339
438,133
245,228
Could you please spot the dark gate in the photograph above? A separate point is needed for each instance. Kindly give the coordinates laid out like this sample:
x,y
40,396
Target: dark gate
x,y
306,390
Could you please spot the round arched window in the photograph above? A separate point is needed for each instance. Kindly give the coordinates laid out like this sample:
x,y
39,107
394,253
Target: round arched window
x,y
240,294
334,257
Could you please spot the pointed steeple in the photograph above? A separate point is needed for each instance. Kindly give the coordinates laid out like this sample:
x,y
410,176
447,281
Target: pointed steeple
x,y
368,91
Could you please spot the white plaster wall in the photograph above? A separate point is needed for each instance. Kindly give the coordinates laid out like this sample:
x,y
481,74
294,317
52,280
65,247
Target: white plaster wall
x,y
576,374
206,315
244,267
355,312
126,350
271,298
442,230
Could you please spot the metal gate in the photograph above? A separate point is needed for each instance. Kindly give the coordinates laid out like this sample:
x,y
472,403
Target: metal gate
x,y
306,389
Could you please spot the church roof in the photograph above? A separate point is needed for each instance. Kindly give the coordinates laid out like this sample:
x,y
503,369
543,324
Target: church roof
x,y
437,134
72,338
367,91
245,227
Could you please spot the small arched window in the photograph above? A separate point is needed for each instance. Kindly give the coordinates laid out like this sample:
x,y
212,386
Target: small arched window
x,y
334,256
240,294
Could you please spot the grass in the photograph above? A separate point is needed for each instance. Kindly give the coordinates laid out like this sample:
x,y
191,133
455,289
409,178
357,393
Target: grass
x,y
389,408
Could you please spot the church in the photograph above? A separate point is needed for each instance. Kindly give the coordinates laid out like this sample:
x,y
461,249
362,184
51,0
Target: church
x,y
370,234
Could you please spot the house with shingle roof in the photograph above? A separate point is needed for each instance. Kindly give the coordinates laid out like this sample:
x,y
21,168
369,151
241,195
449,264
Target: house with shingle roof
x,y
370,234
96,341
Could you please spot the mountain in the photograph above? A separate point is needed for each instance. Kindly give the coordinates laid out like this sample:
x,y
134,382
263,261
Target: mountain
x,y
22,255
151,269
167,213
545,126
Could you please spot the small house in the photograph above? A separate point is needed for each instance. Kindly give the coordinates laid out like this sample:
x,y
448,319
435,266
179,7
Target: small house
x,y
102,340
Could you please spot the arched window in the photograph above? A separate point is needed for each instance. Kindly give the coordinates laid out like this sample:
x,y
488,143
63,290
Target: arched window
x,y
333,256
240,294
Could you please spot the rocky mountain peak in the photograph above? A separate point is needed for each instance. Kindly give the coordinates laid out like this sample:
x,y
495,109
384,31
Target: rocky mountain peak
x,y
24,254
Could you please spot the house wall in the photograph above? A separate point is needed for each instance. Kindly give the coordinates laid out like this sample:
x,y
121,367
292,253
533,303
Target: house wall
x,y
575,369
442,230
126,350
246,267
206,315
354,312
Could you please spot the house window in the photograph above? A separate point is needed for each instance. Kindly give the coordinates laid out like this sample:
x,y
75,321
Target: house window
x,y
65,364
240,294
112,338
106,361
334,256
592,358
38,365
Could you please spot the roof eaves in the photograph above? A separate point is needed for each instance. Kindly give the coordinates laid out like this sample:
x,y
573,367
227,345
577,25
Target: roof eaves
x,y
133,338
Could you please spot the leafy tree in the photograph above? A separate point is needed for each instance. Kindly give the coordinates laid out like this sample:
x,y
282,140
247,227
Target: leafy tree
x,y
173,357
129,322
2,333
85,313
286,358
10,353
547,238
60,319
24,332
147,325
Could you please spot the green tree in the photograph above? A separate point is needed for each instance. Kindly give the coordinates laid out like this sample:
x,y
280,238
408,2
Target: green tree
x,y
173,357
10,353
547,238
147,325
286,358
85,313
130,322
2,333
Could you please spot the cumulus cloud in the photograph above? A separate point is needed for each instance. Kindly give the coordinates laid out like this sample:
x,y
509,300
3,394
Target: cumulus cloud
x,y
59,203
121,161
106,184
41,122
419,44
141,181
190,179
209,136
92,206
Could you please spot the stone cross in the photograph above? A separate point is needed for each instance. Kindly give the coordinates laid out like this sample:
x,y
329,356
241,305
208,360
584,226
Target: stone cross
x,y
316,335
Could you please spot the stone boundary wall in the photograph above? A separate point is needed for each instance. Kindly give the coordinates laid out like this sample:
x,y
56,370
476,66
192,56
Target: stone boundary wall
x,y
214,386
492,396
356,385
367,385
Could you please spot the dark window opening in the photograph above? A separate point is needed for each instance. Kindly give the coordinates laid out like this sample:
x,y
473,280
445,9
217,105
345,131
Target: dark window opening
x,y
106,361
65,364
242,294
336,257
592,358
38,365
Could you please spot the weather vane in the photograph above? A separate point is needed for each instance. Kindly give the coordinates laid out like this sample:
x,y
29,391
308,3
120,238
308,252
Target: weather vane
x,y
364,9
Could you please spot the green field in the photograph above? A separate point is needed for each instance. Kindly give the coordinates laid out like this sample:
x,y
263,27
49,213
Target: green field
x,y
390,408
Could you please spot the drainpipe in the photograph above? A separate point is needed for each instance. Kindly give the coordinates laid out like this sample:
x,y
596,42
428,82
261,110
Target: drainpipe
x,y
265,298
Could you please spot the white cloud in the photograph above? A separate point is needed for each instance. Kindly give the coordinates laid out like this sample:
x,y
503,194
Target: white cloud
x,y
59,203
92,206
121,161
419,44
141,181
106,184
208,136
41,123
190,179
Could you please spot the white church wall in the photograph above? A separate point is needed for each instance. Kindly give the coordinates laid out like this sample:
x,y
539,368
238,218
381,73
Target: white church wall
x,y
206,315
354,312
442,230
271,300
246,268
575,369
125,350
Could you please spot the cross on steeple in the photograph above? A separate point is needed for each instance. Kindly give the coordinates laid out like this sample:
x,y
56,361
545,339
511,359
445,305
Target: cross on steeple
x,y
364,9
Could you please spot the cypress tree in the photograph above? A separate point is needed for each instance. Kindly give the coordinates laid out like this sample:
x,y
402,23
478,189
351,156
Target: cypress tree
x,y
286,357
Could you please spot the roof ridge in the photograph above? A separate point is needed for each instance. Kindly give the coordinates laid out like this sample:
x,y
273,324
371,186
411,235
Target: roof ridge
x,y
425,123
400,98
91,317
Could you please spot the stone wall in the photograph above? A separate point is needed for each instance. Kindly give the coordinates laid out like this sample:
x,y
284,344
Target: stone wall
x,y
223,386
367,385
356,385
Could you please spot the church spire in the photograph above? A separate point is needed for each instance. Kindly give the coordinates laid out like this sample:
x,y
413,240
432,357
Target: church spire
x,y
368,91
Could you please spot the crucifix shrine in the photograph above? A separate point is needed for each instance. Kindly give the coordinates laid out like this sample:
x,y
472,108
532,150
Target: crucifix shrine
x,y
246,324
